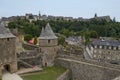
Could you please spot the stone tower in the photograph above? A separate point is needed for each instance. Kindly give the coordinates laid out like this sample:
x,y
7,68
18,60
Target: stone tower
x,y
48,45
8,60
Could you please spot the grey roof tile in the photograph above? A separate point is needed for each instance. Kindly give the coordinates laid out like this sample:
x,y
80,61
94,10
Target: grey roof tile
x,y
106,42
47,33
5,33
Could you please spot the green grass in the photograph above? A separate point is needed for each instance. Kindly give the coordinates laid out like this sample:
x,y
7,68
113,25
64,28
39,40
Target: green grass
x,y
49,73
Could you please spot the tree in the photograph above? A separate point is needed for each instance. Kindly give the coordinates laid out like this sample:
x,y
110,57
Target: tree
x,y
35,40
65,32
12,25
93,34
87,37
61,39
30,16
27,37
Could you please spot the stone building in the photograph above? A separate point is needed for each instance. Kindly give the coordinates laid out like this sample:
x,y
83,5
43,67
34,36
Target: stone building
x,y
48,45
101,18
106,50
8,59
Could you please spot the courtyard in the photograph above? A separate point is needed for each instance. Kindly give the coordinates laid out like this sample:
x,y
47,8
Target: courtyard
x,y
49,73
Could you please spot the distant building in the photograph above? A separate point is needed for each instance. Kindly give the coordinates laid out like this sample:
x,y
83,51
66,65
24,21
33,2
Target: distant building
x,y
105,50
74,40
48,45
100,18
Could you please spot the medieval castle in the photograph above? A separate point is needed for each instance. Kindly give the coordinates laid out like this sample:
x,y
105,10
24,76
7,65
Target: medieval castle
x,y
47,54
9,56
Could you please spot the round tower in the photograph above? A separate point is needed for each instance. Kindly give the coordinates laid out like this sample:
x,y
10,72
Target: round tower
x,y
48,45
8,58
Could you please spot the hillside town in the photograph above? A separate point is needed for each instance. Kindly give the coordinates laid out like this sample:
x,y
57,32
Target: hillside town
x,y
31,17
80,55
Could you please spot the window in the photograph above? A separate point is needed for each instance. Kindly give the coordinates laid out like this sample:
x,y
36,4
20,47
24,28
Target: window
x,y
114,48
119,47
108,52
8,39
100,47
105,47
109,47
48,41
95,46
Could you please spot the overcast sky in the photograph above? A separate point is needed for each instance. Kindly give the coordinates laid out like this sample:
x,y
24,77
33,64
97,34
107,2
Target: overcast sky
x,y
73,8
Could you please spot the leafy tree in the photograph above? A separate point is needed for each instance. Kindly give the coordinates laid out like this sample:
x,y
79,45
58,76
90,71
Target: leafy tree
x,y
93,34
27,37
35,40
61,39
30,16
69,28
87,37
12,25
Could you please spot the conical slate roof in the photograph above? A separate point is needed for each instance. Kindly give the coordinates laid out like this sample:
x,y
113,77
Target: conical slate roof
x,y
5,33
42,32
47,33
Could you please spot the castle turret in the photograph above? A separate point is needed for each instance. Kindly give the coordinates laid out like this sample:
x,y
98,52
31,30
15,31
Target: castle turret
x,y
8,59
48,45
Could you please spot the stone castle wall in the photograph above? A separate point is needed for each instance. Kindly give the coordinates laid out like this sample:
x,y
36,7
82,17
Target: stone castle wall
x,y
64,76
48,55
88,71
29,46
47,42
8,54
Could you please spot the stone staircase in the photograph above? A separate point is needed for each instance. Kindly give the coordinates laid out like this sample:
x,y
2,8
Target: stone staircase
x,y
25,63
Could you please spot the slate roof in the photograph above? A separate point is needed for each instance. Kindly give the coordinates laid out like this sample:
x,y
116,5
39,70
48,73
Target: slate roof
x,y
106,42
47,33
5,33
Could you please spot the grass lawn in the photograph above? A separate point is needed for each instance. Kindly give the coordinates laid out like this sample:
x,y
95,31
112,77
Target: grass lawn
x,y
49,73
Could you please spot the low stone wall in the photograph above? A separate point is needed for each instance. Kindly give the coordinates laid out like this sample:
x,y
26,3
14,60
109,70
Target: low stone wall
x,y
29,46
78,58
64,76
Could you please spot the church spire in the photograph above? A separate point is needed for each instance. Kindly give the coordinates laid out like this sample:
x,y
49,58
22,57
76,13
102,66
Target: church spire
x,y
39,14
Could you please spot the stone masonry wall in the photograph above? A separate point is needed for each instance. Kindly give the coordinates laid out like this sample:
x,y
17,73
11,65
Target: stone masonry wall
x,y
88,71
30,46
64,76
